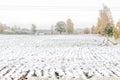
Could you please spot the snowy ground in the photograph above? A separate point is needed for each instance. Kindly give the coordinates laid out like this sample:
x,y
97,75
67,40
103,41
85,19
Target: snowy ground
x,y
58,57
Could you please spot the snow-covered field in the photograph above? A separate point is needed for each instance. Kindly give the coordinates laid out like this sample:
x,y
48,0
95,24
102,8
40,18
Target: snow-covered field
x,y
58,57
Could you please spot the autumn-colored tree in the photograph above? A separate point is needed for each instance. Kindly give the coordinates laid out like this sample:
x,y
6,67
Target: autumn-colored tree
x,y
118,27
93,30
105,17
70,25
1,27
86,31
116,33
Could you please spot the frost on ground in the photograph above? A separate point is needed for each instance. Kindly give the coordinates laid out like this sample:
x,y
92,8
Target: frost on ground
x,y
60,57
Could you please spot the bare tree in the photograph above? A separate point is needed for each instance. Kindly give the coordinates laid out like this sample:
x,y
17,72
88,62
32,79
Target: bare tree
x,y
33,29
52,29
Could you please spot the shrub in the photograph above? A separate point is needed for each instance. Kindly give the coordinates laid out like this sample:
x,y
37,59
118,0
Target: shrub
x,y
116,33
108,30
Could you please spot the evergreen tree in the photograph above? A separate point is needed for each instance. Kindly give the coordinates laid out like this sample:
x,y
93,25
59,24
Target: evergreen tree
x,y
108,30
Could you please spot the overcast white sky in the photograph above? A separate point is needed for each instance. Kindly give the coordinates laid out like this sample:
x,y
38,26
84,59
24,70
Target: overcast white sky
x,y
44,13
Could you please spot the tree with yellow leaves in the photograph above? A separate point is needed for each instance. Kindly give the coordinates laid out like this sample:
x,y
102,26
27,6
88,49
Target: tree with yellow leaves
x,y
116,33
104,19
70,25
118,27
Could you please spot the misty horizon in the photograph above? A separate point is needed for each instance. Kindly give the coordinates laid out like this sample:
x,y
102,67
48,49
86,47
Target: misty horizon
x,y
46,13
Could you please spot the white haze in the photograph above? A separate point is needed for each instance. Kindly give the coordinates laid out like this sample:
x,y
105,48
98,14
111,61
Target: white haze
x,y
44,13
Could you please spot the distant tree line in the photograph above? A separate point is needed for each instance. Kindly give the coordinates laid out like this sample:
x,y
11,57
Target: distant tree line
x,y
105,26
4,29
68,27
